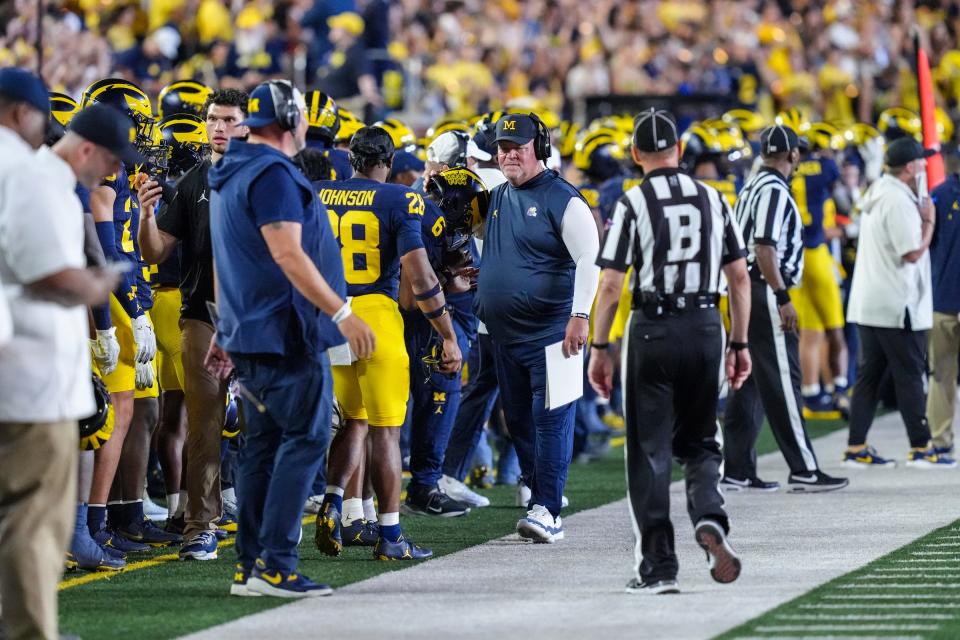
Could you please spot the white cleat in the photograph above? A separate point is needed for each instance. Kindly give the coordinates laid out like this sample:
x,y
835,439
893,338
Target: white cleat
x,y
462,493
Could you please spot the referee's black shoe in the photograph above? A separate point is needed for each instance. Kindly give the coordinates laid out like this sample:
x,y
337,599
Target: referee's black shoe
x,y
724,563
814,482
432,502
729,483
656,588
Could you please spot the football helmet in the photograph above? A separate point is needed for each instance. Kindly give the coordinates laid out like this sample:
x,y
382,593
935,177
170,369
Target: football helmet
x,y
461,196
323,116
96,429
129,99
731,140
567,141
231,417
795,118
749,122
897,122
183,96
62,108
443,125
349,125
185,137
824,136
697,143
402,135
598,154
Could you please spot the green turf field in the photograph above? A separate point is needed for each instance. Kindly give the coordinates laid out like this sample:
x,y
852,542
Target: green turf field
x,y
172,598
913,592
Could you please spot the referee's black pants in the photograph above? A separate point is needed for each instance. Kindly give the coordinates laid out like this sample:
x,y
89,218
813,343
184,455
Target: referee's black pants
x,y
670,388
773,388
904,352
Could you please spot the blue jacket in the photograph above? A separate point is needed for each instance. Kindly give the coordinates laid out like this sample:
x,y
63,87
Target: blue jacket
x,y
525,288
945,247
260,310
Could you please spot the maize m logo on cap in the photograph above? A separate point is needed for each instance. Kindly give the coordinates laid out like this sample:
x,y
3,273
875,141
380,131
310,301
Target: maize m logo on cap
x,y
254,105
509,125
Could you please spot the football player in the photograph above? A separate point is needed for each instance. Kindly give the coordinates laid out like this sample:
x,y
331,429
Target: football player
x,y
323,117
456,201
114,209
378,228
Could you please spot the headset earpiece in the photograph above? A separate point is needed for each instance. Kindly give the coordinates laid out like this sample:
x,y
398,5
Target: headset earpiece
x,y
541,144
285,105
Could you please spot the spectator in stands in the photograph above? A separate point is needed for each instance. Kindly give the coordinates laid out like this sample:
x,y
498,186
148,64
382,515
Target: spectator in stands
x,y
347,74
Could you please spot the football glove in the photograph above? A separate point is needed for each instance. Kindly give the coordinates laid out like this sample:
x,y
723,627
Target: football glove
x,y
144,375
106,350
145,338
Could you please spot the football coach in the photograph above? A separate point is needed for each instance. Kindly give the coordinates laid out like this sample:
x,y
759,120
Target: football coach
x,y
280,293
536,286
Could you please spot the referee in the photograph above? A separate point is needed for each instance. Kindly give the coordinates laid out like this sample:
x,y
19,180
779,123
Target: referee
x,y
771,224
677,234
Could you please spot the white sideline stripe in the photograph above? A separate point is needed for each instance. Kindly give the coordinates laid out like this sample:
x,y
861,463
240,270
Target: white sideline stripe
x,y
947,538
841,627
953,554
898,576
941,544
843,637
904,585
915,560
852,617
906,596
909,569
882,605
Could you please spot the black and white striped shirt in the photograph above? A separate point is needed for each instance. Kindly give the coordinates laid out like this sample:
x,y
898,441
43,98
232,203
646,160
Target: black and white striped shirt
x,y
767,214
675,232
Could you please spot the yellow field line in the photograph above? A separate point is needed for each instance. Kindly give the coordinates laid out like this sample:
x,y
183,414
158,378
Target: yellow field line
x,y
144,564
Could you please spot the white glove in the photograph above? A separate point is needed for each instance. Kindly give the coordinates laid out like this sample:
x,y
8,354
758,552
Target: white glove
x,y
145,338
106,350
144,376
872,153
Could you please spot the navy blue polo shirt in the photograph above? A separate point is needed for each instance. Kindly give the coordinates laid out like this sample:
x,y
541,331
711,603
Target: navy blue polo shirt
x,y
945,247
525,287
260,310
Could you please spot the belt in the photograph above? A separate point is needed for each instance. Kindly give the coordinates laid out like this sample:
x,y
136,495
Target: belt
x,y
654,304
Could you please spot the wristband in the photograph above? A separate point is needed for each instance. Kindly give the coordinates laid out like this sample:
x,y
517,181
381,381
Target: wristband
x,y
428,294
602,346
783,297
342,313
439,312
737,346
585,316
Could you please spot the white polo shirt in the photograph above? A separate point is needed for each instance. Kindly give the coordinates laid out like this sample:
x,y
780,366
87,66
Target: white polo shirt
x,y
885,286
45,368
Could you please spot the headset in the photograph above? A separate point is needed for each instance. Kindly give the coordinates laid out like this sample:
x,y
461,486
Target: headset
x,y
541,143
285,104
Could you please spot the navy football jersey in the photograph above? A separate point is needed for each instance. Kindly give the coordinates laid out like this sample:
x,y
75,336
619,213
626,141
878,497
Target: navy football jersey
x,y
375,224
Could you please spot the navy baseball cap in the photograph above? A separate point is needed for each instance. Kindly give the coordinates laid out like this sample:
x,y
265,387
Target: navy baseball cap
x,y
779,139
516,127
904,150
20,85
654,130
405,161
260,108
107,127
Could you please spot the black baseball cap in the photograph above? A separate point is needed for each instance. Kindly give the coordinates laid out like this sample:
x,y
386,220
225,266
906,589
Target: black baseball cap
x,y
516,127
654,130
779,139
107,127
904,150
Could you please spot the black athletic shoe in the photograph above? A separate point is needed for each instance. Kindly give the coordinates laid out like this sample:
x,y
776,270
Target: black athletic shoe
x,y
750,484
814,482
657,588
433,503
724,563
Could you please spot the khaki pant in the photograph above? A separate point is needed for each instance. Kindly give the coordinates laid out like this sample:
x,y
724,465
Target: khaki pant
x,y
38,501
205,397
944,351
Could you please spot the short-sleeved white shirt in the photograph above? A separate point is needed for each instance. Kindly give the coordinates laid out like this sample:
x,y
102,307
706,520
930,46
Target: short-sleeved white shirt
x,y
886,287
45,368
